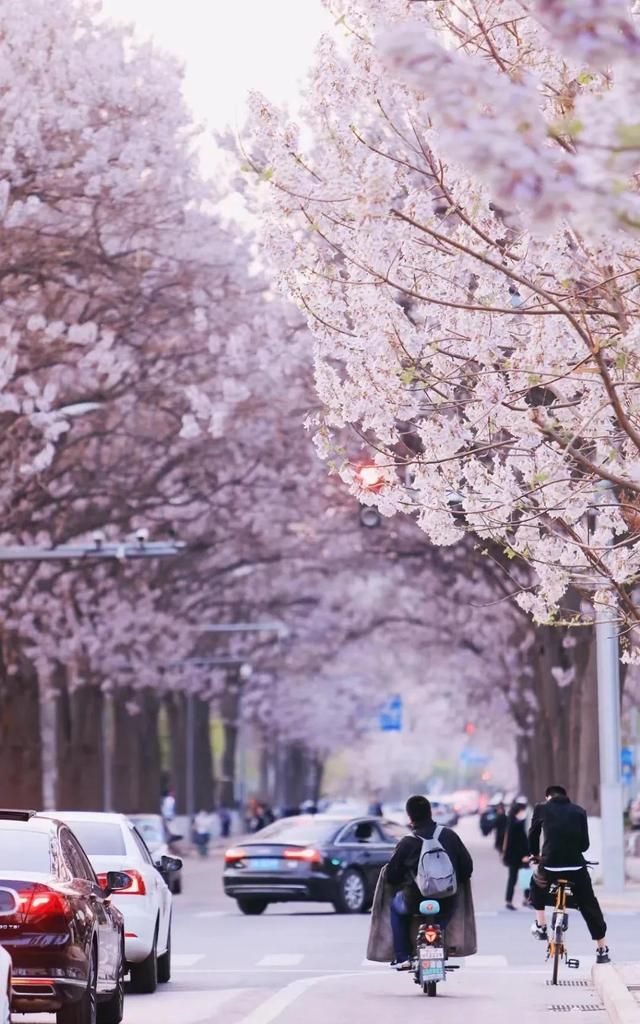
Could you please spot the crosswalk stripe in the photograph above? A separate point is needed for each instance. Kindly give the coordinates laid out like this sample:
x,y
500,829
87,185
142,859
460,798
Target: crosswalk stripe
x,y
372,963
281,960
202,914
186,959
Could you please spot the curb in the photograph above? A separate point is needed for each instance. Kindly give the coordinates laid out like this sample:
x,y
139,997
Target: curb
x,y
620,1005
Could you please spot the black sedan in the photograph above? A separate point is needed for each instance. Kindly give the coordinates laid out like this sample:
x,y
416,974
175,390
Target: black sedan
x,y
64,936
315,858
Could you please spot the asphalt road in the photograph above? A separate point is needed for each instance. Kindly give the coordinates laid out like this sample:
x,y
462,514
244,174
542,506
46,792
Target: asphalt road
x,y
305,964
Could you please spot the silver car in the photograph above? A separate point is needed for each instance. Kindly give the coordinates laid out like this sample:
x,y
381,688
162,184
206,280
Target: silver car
x,y
151,828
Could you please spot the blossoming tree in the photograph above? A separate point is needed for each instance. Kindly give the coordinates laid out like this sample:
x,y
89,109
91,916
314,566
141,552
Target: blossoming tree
x,y
459,223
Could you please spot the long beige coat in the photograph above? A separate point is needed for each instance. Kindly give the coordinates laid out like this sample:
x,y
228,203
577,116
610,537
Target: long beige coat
x,y
461,937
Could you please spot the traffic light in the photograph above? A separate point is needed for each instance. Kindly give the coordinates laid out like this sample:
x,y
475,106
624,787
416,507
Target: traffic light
x,y
371,478
470,728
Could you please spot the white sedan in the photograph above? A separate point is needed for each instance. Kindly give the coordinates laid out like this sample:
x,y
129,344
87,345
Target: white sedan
x,y
5,986
112,843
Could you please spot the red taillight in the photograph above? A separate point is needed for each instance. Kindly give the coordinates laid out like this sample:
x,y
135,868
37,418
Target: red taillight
x,y
430,934
45,909
136,886
235,854
307,854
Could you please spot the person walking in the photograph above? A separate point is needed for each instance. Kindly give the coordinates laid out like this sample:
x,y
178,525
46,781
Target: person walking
x,y
516,848
202,832
500,828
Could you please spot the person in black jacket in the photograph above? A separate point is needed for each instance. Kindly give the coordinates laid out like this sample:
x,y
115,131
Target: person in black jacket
x,y
516,849
565,829
401,874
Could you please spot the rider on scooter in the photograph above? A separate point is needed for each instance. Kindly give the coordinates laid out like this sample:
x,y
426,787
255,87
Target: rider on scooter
x,y
401,875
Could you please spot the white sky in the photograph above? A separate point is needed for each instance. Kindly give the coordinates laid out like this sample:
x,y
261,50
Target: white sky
x,y
231,46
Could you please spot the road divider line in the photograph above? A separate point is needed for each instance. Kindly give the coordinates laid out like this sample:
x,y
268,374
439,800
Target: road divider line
x,y
281,960
280,1001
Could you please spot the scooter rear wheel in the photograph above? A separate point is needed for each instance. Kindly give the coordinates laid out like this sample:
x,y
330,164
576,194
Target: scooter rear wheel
x,y
430,988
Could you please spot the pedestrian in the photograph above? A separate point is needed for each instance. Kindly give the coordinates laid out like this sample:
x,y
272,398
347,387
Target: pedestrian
x,y
168,810
516,848
202,832
225,822
500,827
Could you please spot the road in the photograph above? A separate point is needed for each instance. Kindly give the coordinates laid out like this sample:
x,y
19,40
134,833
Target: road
x,y
305,964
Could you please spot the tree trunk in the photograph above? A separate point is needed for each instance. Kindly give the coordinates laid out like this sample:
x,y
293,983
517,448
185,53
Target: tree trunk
x,y
204,781
176,708
80,768
20,750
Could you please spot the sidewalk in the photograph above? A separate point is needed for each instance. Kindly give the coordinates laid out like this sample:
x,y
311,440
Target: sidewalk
x,y
619,988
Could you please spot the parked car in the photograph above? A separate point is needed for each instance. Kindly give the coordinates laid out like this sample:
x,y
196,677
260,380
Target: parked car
x,y
151,828
63,933
319,858
113,844
5,985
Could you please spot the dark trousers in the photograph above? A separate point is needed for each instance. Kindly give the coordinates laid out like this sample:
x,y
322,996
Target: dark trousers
x,y
512,881
401,918
583,896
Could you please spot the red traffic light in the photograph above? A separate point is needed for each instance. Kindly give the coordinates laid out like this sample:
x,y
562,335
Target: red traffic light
x,y
370,476
469,728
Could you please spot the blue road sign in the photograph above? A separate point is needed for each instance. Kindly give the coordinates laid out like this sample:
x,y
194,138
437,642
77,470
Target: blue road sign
x,y
473,757
627,764
391,715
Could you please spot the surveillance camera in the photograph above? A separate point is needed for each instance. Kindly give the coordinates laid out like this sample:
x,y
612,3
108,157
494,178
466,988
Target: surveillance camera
x,y
142,536
98,538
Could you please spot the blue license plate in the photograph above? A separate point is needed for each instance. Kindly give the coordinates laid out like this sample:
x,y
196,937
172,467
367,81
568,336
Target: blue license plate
x,y
265,864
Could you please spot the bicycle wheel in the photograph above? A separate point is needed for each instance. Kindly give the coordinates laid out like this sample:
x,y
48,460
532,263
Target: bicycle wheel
x,y
558,948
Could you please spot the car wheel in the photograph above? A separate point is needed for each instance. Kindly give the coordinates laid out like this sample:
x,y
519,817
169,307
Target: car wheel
x,y
352,893
252,906
144,976
85,1010
164,962
112,1011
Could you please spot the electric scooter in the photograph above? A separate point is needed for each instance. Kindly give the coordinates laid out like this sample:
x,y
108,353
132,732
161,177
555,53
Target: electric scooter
x,y
430,961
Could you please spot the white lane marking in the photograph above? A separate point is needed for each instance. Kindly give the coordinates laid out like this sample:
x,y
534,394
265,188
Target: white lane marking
x,y
373,963
179,960
281,960
202,914
276,1004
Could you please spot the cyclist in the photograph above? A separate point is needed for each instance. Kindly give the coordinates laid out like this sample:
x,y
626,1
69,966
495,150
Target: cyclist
x,y
566,837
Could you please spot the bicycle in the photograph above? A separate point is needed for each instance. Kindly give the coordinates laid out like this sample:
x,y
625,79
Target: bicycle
x,y
557,947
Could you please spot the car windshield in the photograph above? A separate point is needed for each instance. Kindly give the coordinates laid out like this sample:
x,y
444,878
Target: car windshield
x,y
150,830
99,838
22,850
298,831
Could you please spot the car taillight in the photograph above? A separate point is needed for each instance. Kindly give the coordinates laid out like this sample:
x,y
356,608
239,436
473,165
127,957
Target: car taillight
x,y
45,909
235,854
136,886
307,854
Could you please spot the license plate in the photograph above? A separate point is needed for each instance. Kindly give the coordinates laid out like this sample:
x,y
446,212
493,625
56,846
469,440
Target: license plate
x,y
265,864
431,953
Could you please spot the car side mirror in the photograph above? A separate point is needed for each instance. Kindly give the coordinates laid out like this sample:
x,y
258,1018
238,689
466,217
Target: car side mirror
x,y
167,865
113,881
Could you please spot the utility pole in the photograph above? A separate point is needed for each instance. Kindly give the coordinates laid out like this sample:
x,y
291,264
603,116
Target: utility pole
x,y
108,739
608,677
611,801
